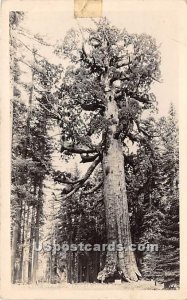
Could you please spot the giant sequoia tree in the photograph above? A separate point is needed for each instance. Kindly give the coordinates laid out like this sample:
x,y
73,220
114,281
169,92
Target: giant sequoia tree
x,y
105,89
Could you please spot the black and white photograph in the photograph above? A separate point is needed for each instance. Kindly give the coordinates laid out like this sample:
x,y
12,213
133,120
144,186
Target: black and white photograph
x,y
93,129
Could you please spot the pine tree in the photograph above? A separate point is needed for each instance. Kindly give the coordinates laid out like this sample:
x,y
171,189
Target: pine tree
x,y
81,219
31,150
169,256
161,218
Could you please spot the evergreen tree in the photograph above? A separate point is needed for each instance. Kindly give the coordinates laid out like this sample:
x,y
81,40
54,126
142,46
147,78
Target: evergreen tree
x,y
105,89
169,257
161,221
81,220
31,150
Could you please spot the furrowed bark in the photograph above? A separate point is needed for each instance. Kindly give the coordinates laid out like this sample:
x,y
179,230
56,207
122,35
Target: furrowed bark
x,y
115,199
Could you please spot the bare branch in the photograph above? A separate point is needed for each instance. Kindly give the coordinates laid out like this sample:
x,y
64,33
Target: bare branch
x,y
91,169
33,38
31,50
72,192
31,66
84,179
77,150
88,158
50,112
153,78
62,178
92,190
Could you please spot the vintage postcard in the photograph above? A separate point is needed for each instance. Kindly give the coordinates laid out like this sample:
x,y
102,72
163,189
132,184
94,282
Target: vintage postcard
x,y
93,149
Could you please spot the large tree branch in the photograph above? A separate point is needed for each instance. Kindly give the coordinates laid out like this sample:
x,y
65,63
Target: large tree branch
x,y
72,192
77,150
84,179
94,189
92,106
91,169
62,178
88,158
90,61
140,98
140,129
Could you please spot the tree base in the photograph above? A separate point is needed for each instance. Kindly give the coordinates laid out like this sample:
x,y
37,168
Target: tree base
x,y
113,271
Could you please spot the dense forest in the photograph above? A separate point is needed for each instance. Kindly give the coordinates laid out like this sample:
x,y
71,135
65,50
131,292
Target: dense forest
x,y
92,161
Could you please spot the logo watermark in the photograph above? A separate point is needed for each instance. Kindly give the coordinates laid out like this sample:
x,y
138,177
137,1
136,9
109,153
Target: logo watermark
x,y
65,247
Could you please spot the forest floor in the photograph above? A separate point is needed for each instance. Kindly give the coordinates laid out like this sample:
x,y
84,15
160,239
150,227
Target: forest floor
x,y
141,284
93,291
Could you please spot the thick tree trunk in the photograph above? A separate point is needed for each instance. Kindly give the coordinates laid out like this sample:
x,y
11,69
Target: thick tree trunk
x,y
117,218
26,248
22,242
14,247
115,199
80,269
36,242
69,267
75,270
30,262
37,233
